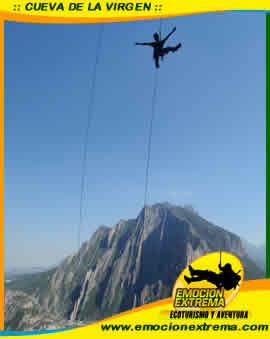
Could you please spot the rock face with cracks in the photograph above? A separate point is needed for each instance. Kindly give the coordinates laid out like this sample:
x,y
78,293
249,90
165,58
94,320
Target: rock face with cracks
x,y
134,263
23,312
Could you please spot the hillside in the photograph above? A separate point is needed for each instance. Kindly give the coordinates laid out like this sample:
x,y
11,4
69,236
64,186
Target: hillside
x,y
134,263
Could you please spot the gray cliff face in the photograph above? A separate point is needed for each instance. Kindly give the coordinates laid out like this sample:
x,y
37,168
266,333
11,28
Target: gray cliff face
x,y
133,263
23,312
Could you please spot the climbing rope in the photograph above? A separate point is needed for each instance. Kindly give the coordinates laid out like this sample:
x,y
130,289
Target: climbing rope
x,y
149,145
87,131
160,28
88,126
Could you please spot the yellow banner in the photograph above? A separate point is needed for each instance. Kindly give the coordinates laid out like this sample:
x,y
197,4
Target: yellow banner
x,y
247,315
111,10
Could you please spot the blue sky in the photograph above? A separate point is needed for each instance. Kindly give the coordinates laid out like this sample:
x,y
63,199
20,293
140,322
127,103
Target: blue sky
x,y
208,145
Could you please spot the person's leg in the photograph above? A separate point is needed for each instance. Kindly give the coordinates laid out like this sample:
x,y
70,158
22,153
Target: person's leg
x,y
157,61
199,275
166,50
204,275
193,279
189,280
197,272
213,278
177,47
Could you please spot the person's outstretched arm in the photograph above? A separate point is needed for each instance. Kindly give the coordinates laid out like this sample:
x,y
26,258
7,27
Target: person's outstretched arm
x,y
144,43
220,267
167,37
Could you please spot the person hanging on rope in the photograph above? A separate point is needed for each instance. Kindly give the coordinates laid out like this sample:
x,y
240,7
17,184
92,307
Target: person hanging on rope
x,y
159,50
227,278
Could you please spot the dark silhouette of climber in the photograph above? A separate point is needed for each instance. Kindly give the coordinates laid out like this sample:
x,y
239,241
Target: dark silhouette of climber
x,y
159,50
227,278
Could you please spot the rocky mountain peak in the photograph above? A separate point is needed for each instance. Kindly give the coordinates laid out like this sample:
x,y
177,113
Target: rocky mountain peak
x,y
135,262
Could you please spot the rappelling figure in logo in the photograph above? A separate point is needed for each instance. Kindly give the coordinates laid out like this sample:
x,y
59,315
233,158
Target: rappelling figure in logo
x,y
227,278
